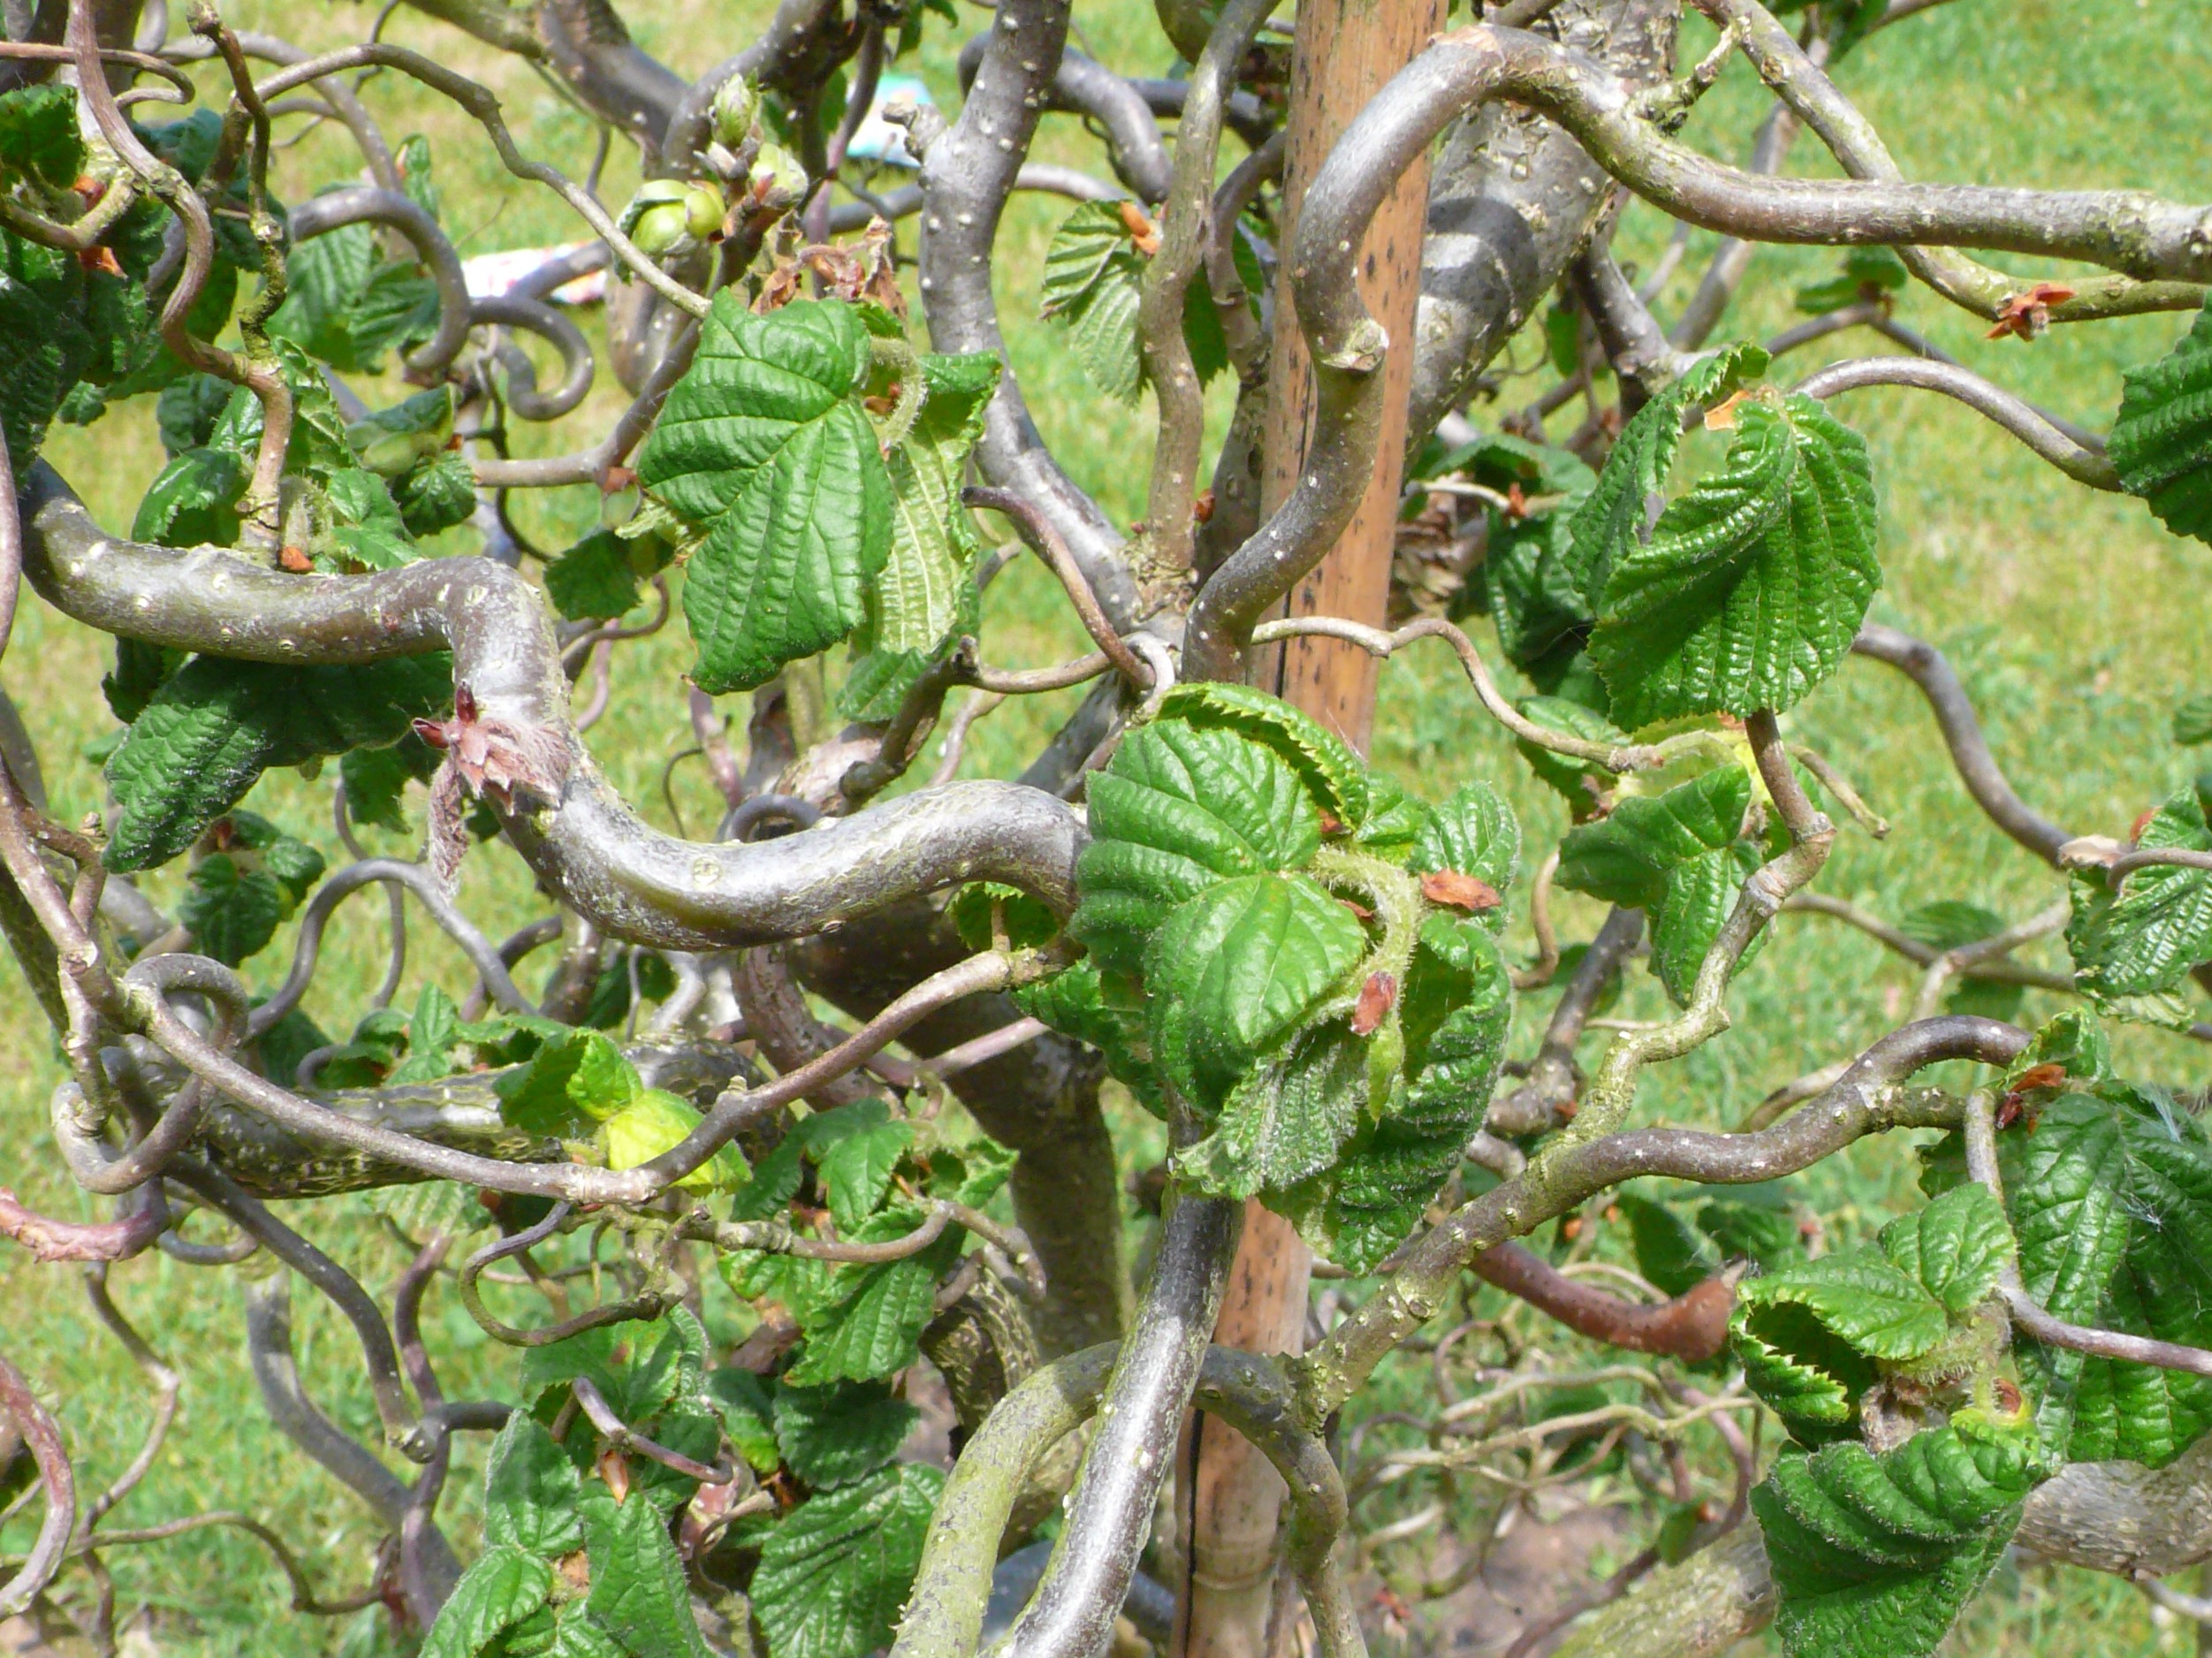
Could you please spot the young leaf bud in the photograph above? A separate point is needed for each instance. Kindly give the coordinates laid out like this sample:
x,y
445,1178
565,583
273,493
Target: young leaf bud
x,y
779,180
736,106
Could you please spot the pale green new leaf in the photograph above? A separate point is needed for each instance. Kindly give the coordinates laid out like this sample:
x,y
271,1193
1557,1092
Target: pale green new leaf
x,y
1748,592
764,446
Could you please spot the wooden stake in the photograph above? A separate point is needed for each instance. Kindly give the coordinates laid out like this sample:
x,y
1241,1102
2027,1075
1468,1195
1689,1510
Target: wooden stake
x,y
1347,50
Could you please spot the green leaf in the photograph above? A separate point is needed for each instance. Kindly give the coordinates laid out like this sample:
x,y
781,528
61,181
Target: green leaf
x,y
925,598
1075,1003
1957,1247
38,135
2145,938
1672,1253
375,779
1872,1557
1574,719
1474,833
834,1574
216,725
1286,1119
602,576
1235,970
531,1490
1333,774
188,408
192,501
743,1402
2162,440
855,1147
763,444
1862,1299
1094,281
238,897
2111,1204
580,1077
1947,925
1175,811
318,446
1630,493
1748,592
874,1328
656,1121
1869,273
436,495
232,913
638,1592
831,1436
504,1588
43,311
1679,856
348,304
1028,921
2193,721
1455,1011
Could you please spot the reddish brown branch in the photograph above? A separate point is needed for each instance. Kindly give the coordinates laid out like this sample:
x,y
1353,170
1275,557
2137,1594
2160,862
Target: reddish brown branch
x,y
1693,1326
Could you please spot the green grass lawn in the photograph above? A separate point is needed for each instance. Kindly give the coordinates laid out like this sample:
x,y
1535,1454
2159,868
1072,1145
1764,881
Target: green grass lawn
x,y
2076,622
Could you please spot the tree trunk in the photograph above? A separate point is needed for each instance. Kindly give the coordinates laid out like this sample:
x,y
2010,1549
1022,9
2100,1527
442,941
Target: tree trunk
x,y
1347,49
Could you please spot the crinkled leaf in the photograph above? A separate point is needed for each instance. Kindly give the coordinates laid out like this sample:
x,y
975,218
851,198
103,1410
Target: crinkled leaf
x,y
505,1586
638,1592
1075,1003
1234,971
2111,1203
1679,857
1957,1247
831,1436
191,501
2162,440
1868,273
1631,491
1177,809
596,580
580,1077
375,779
38,134
855,1148
216,725
1574,719
763,446
2193,721
1333,774
873,1328
2144,939
1471,831
1861,1297
742,1400
1748,590
836,1572
925,597
530,1491
1872,1557
1286,1119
